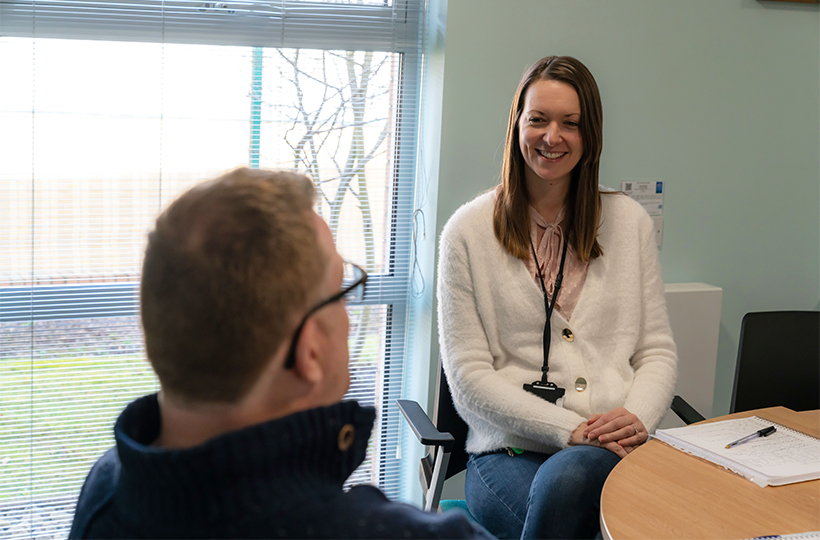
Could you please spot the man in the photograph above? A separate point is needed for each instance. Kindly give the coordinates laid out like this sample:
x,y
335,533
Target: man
x,y
243,309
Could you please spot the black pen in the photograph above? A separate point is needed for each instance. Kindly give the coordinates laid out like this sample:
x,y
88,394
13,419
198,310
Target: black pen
x,y
765,432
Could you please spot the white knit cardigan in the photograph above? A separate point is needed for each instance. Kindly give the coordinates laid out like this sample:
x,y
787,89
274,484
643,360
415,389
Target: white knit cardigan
x,y
491,321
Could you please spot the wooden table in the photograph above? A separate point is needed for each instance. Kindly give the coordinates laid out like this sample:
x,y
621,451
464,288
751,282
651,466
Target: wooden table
x,y
658,492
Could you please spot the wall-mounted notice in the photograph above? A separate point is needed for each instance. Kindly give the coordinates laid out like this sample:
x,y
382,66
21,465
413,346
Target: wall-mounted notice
x,y
650,196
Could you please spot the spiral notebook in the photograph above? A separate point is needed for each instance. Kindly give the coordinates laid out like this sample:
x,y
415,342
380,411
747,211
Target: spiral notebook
x,y
813,535
784,457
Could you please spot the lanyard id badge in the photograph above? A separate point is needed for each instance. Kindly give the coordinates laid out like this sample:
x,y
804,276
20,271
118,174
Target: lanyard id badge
x,y
543,388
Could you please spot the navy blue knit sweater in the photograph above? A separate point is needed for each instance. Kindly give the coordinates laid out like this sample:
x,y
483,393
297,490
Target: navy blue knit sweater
x,y
279,479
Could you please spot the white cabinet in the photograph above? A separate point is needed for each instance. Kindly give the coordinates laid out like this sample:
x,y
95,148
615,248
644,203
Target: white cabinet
x,y
694,314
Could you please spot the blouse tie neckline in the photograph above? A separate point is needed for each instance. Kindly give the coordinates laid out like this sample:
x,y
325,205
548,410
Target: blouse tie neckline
x,y
548,249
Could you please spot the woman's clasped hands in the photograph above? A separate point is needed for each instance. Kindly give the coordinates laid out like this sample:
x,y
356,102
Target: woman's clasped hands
x,y
618,431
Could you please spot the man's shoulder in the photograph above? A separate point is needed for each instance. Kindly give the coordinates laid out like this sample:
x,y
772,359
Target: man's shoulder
x,y
378,517
97,491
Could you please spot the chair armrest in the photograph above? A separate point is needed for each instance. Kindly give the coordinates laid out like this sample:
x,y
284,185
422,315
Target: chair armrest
x,y
685,412
422,427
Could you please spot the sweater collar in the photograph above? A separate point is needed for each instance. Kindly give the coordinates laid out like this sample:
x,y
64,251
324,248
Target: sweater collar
x,y
280,458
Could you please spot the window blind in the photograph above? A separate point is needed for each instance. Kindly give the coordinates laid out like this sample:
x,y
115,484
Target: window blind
x,y
108,111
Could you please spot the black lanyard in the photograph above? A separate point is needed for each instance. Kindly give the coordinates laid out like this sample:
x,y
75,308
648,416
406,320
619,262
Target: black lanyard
x,y
543,388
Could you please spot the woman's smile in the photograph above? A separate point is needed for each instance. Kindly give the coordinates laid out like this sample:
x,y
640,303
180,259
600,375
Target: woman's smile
x,y
548,131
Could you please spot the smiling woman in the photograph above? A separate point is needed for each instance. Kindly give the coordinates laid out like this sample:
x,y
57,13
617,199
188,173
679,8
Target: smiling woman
x,y
550,140
547,279
567,85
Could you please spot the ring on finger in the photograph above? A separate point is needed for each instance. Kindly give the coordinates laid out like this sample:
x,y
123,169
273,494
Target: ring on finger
x,y
636,429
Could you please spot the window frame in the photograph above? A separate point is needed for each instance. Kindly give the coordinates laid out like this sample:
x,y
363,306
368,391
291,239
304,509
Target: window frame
x,y
356,27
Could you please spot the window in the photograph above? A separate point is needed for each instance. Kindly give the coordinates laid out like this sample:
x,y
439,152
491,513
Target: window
x,y
109,111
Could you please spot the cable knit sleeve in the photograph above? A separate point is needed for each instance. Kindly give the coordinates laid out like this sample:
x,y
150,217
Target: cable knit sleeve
x,y
655,357
491,400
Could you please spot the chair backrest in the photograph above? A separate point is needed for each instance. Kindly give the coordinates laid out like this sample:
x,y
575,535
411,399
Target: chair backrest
x,y
448,420
778,361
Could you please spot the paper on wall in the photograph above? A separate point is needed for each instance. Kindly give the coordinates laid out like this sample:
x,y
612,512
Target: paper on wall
x,y
648,194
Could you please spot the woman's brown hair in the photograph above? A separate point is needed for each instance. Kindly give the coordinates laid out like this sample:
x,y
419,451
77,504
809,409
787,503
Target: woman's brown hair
x,y
511,218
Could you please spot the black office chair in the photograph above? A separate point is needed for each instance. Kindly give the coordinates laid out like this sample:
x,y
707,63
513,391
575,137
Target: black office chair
x,y
447,456
778,361
446,438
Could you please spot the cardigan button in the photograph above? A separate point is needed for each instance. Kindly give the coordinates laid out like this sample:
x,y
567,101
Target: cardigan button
x,y
580,384
568,335
346,436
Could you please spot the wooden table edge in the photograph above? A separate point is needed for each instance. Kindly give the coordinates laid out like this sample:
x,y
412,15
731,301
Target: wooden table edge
x,y
806,421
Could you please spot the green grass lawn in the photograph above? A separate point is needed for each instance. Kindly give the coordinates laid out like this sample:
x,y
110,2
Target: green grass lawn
x,y
58,408
48,444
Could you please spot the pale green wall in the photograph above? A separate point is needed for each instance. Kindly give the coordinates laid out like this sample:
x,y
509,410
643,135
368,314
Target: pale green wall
x,y
720,99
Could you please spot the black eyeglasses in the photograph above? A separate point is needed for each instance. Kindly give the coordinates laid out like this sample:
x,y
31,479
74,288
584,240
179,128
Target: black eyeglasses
x,y
353,283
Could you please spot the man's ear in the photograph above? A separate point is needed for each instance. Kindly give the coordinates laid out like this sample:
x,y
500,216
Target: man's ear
x,y
308,365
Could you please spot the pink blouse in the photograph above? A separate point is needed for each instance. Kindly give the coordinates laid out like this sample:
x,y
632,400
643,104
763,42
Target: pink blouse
x,y
548,250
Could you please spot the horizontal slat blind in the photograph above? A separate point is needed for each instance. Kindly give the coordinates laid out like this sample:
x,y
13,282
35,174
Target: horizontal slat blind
x,y
372,26
108,111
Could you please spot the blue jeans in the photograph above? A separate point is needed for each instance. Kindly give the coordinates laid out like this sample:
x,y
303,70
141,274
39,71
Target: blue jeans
x,y
534,495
